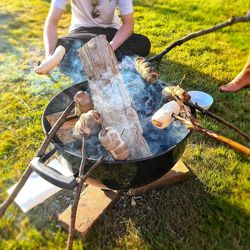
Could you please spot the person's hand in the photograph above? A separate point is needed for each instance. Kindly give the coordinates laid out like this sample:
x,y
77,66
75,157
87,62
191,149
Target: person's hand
x,y
112,45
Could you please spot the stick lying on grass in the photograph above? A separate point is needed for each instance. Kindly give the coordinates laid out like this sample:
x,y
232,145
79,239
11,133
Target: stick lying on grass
x,y
179,42
40,153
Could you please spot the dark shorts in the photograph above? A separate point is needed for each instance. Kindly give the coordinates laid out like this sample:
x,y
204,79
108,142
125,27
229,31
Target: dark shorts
x,y
135,44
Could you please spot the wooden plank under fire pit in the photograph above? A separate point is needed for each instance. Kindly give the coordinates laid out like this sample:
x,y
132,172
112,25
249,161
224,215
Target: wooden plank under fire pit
x,y
94,201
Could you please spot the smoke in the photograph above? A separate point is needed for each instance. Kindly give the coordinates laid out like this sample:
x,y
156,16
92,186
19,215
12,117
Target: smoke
x,y
71,64
146,99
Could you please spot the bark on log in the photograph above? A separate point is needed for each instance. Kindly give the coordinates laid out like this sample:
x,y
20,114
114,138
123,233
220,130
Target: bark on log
x,y
110,95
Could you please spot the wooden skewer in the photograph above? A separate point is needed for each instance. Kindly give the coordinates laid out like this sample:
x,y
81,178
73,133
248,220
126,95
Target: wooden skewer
x,y
81,180
208,113
40,153
196,127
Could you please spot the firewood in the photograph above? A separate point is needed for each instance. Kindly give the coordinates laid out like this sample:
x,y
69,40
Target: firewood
x,y
110,95
113,143
146,70
83,102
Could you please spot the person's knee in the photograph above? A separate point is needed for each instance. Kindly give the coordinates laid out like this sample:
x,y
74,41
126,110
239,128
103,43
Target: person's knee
x,y
145,46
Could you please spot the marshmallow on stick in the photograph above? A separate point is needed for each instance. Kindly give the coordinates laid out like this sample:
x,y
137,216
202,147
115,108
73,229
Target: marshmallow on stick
x,y
51,62
164,116
113,143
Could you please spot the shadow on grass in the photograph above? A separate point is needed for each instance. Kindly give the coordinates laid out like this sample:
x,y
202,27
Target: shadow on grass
x,y
232,107
184,216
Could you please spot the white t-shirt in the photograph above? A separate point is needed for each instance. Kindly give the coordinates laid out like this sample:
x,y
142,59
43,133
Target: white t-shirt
x,y
82,9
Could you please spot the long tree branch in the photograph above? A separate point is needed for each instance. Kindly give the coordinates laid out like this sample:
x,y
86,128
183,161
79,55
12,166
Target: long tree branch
x,y
179,42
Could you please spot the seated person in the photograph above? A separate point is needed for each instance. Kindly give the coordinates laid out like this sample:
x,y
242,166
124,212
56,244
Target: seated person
x,y
240,81
89,19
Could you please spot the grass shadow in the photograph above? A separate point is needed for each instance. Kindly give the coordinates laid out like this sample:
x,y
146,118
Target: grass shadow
x,y
183,216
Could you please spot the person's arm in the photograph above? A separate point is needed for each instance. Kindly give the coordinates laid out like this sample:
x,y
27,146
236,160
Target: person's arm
x,y
124,32
50,30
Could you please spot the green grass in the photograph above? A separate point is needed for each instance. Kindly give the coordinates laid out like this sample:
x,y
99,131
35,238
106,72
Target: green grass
x,y
210,210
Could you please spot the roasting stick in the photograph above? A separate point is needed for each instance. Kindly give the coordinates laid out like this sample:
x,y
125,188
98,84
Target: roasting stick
x,y
192,124
40,153
208,113
81,178
196,127
165,117
179,94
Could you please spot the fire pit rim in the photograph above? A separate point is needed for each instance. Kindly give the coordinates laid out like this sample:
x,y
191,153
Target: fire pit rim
x,y
58,147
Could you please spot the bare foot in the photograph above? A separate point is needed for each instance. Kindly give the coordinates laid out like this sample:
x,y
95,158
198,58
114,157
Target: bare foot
x,y
240,81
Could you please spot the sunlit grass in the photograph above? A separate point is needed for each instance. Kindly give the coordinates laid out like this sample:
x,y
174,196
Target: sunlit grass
x,y
210,210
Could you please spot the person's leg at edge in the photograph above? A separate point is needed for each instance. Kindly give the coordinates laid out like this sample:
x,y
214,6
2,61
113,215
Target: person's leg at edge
x,y
240,81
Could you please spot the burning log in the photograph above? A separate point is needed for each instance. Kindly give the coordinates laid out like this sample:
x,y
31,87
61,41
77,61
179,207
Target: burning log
x,y
110,95
146,70
113,143
88,124
83,102
51,62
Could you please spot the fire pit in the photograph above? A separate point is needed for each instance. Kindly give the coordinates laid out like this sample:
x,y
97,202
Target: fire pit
x,y
167,147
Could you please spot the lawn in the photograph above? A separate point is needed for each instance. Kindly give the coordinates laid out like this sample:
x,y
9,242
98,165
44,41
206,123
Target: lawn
x,y
209,210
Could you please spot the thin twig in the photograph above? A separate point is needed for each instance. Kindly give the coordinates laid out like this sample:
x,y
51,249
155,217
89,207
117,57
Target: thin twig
x,y
19,98
182,79
208,113
81,180
76,200
179,42
40,153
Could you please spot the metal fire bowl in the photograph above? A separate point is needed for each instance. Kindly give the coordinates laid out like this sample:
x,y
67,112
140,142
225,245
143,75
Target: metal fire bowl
x,y
119,174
